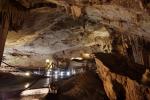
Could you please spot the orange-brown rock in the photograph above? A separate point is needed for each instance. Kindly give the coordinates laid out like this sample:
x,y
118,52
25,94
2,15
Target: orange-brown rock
x,y
120,87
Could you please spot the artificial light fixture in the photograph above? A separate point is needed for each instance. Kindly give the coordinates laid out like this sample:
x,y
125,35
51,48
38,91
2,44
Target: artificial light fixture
x,y
68,73
47,61
77,58
27,74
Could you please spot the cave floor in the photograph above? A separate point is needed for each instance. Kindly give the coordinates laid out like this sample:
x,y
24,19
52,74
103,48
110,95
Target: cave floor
x,y
84,86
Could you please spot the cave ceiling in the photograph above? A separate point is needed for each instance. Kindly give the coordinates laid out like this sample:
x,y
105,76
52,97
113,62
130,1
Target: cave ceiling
x,y
72,26
125,16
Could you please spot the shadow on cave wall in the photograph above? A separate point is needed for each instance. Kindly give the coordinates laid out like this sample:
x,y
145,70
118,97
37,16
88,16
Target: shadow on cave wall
x,y
120,65
119,90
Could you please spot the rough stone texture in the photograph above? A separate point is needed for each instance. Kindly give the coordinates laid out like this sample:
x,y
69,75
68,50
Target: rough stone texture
x,y
49,32
85,86
124,20
126,16
120,87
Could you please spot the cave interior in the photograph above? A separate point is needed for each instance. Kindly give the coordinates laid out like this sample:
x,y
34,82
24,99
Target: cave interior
x,y
102,47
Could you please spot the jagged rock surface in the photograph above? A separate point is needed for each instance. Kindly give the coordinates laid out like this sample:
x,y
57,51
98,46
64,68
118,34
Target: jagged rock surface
x,y
120,87
48,32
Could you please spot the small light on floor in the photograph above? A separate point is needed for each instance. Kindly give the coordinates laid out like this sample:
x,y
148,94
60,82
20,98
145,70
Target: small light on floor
x,y
48,73
68,73
73,72
61,74
56,72
27,85
56,76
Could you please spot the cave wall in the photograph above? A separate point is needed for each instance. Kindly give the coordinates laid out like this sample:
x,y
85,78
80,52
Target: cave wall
x,y
121,87
74,31
47,32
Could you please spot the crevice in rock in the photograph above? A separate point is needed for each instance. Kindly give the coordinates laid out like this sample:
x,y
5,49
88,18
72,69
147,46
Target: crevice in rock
x,y
40,5
119,90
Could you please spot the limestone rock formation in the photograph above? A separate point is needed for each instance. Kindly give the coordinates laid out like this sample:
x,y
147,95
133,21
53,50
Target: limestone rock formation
x,y
49,32
121,87
72,25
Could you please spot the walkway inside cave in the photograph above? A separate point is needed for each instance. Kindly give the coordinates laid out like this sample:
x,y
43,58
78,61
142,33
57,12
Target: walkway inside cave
x,y
74,49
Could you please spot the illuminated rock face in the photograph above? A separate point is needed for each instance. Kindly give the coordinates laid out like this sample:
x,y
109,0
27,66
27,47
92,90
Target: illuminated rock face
x,y
119,86
121,19
48,32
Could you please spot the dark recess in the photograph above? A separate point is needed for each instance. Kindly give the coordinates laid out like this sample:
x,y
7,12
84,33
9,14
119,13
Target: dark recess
x,y
39,5
119,90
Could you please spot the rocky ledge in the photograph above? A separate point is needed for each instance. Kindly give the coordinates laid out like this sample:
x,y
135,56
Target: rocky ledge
x,y
121,85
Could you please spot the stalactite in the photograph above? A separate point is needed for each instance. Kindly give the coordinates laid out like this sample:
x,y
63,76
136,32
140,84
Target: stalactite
x,y
123,43
134,47
137,49
12,15
149,61
76,11
3,33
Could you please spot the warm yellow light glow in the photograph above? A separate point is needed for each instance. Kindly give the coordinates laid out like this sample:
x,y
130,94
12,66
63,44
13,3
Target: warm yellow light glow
x,y
78,58
27,74
86,54
51,67
47,61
